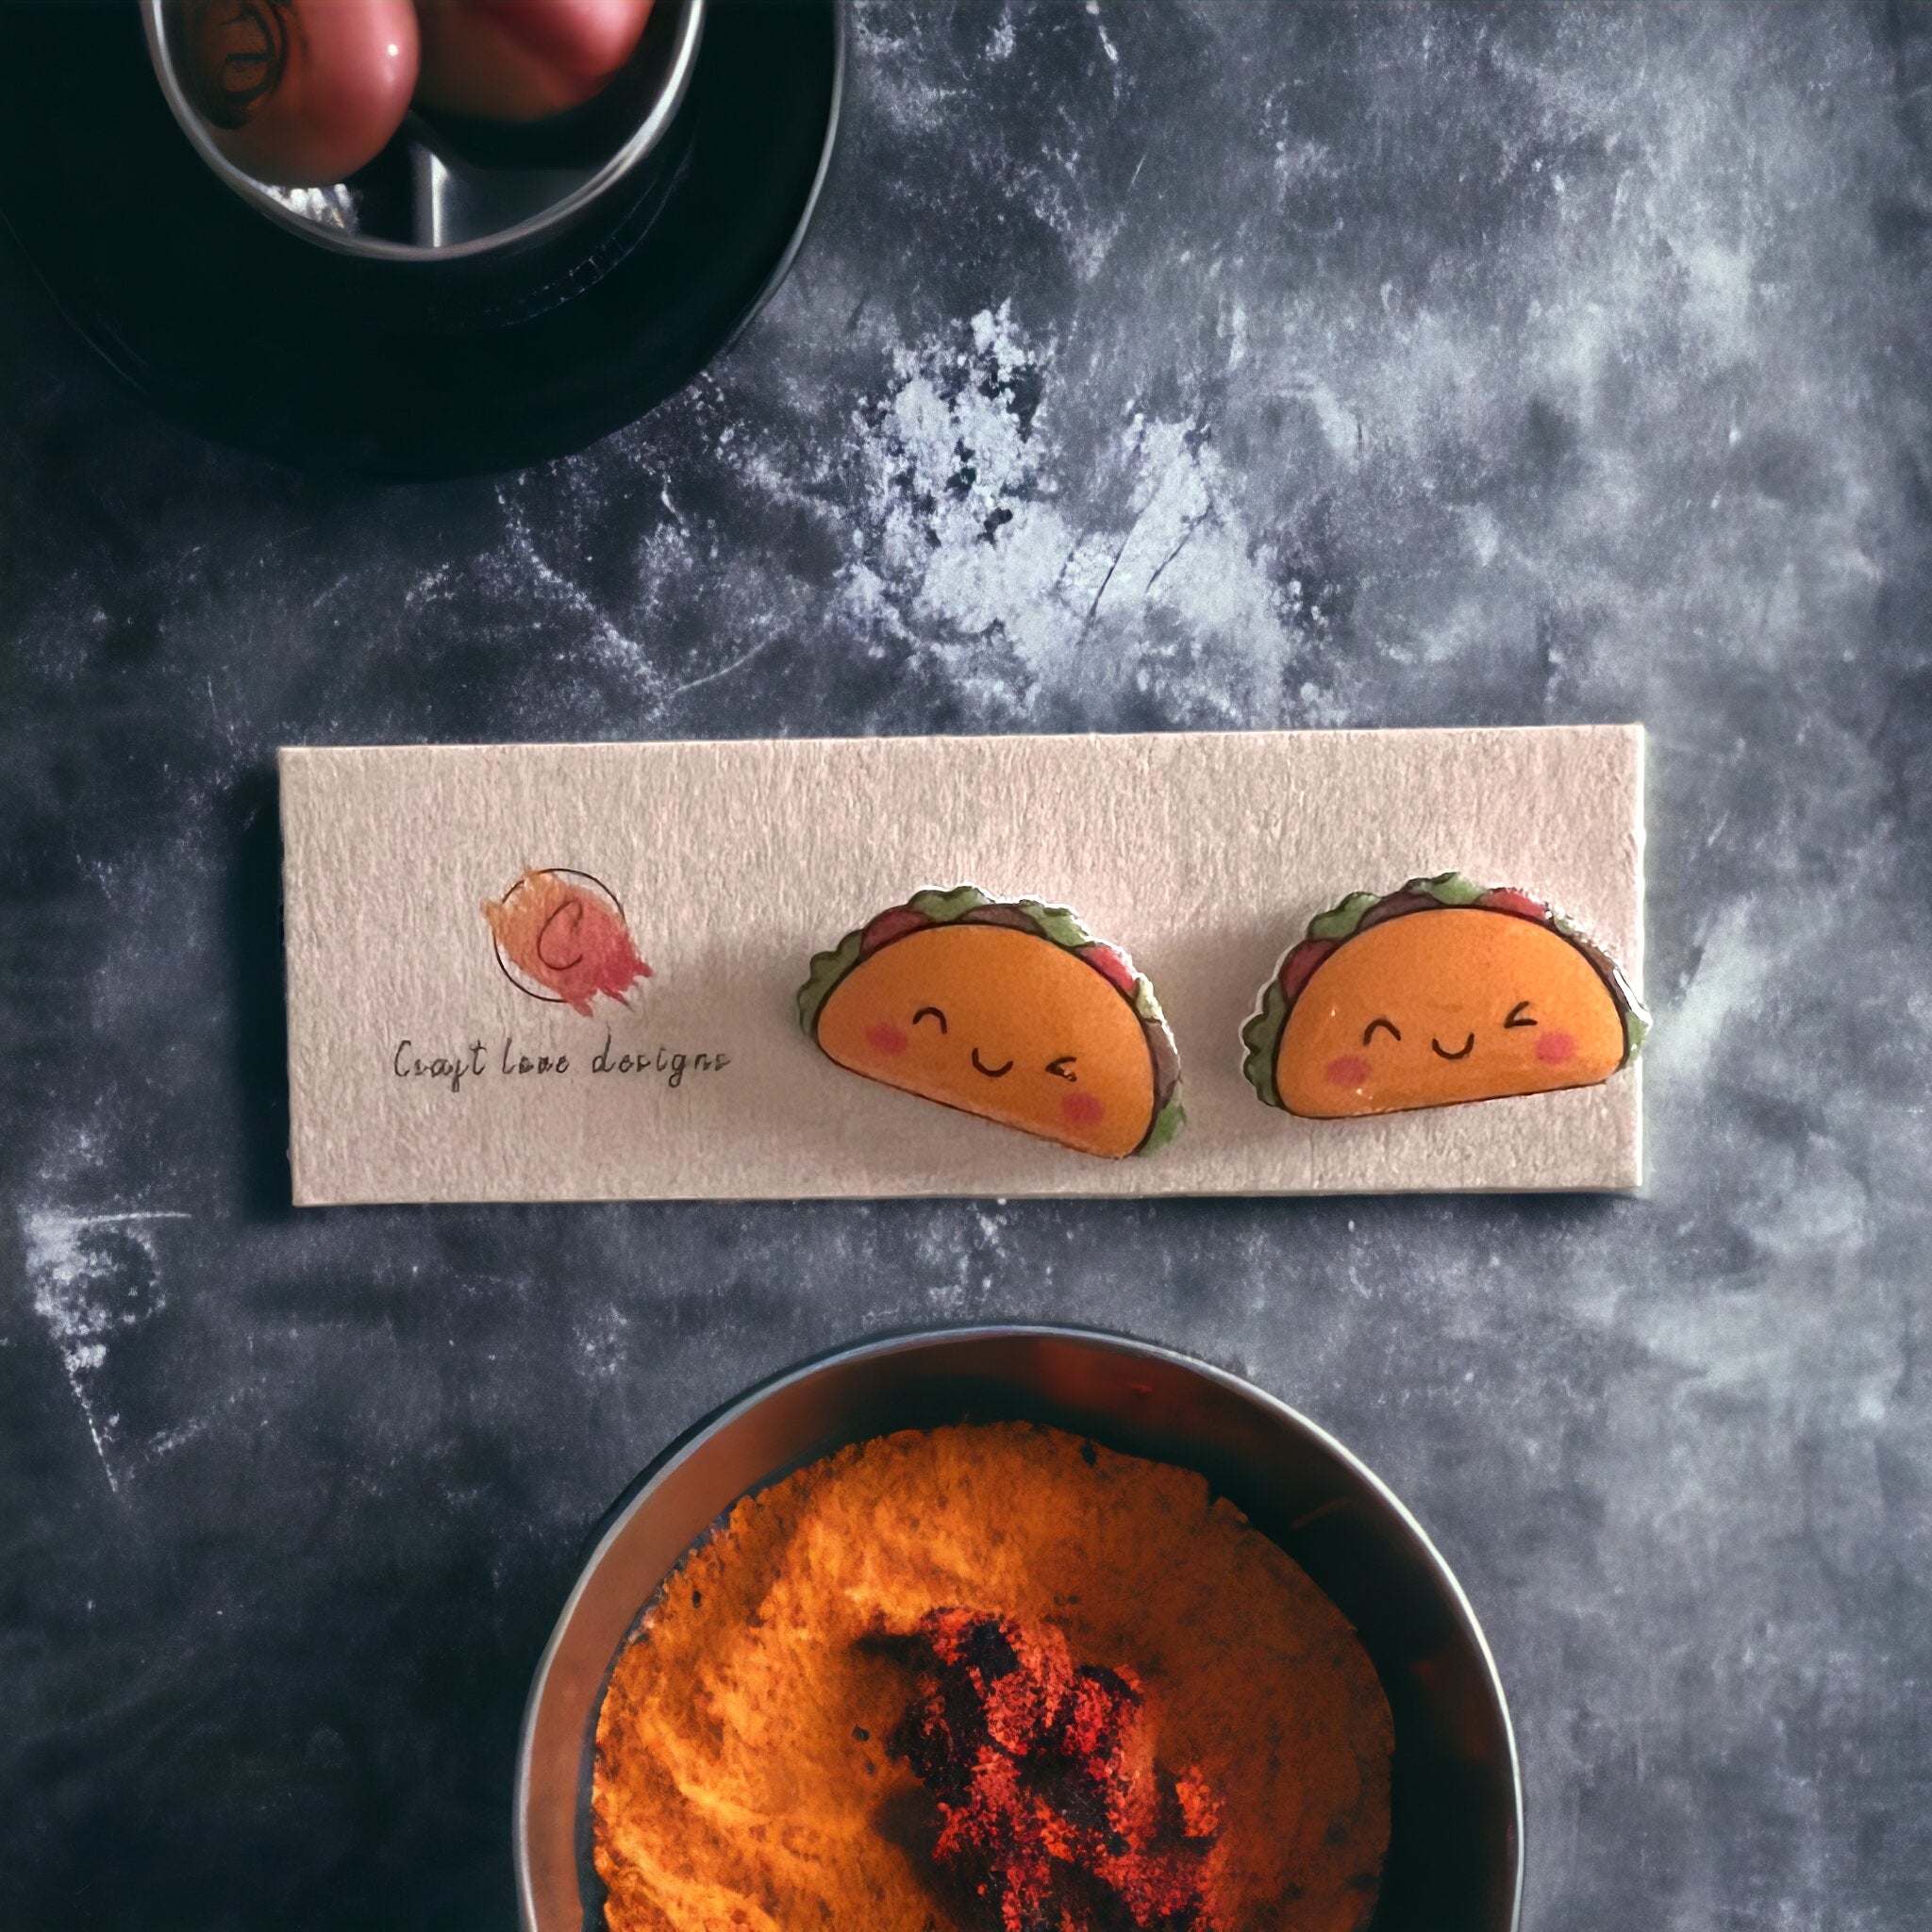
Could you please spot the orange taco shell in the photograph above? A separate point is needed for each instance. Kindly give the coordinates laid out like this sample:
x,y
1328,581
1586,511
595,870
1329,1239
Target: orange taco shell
x,y
1011,1011
1438,995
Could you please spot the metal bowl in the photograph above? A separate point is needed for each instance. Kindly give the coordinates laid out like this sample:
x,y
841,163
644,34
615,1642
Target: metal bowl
x,y
1455,1851
431,197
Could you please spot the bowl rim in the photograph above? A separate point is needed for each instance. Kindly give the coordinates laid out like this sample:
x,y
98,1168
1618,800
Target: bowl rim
x,y
910,1341
558,215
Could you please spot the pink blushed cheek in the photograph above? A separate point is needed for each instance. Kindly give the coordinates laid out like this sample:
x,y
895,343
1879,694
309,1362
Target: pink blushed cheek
x,y
1351,1070
886,1037
1553,1049
1082,1110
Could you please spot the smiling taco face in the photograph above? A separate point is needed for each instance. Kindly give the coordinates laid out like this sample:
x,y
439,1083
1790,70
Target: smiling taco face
x,y
1437,995
1014,1012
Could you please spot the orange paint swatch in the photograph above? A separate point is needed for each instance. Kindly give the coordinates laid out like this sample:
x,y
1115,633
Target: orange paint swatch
x,y
560,936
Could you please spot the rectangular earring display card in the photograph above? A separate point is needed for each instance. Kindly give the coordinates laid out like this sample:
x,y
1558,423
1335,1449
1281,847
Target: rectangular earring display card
x,y
1202,964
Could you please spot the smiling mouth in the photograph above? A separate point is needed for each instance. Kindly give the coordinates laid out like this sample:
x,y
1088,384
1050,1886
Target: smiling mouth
x,y
1437,1047
1000,1073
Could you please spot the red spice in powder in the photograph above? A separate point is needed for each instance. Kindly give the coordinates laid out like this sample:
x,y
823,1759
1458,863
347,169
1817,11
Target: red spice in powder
x,y
1051,1806
1188,1725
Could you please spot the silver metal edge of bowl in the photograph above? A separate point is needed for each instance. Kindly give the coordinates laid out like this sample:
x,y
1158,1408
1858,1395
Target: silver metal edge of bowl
x,y
650,130
736,1415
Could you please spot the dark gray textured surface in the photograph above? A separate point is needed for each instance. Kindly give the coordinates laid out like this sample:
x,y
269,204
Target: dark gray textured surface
x,y
1325,366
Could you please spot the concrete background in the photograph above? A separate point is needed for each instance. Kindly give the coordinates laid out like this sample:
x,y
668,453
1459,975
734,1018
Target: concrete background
x,y
1205,365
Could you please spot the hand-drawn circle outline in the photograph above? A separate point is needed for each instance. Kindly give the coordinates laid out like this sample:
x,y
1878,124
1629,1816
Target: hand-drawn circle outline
x,y
557,871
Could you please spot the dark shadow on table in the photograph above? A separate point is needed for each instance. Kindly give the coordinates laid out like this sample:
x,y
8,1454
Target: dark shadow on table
x,y
252,941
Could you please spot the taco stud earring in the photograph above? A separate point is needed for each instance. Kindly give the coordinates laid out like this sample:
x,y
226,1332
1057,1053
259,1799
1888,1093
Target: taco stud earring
x,y
1438,995
1013,1012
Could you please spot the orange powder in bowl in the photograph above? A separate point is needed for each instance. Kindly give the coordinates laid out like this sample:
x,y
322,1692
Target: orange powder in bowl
x,y
991,1676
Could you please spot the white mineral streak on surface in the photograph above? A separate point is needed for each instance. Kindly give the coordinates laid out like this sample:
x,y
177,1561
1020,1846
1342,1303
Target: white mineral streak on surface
x,y
965,540
76,1294
609,637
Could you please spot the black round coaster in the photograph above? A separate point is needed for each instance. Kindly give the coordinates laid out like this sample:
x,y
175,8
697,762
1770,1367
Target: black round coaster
x,y
266,341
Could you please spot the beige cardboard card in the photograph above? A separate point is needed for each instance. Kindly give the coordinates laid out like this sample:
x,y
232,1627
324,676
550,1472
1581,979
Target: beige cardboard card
x,y
442,1048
